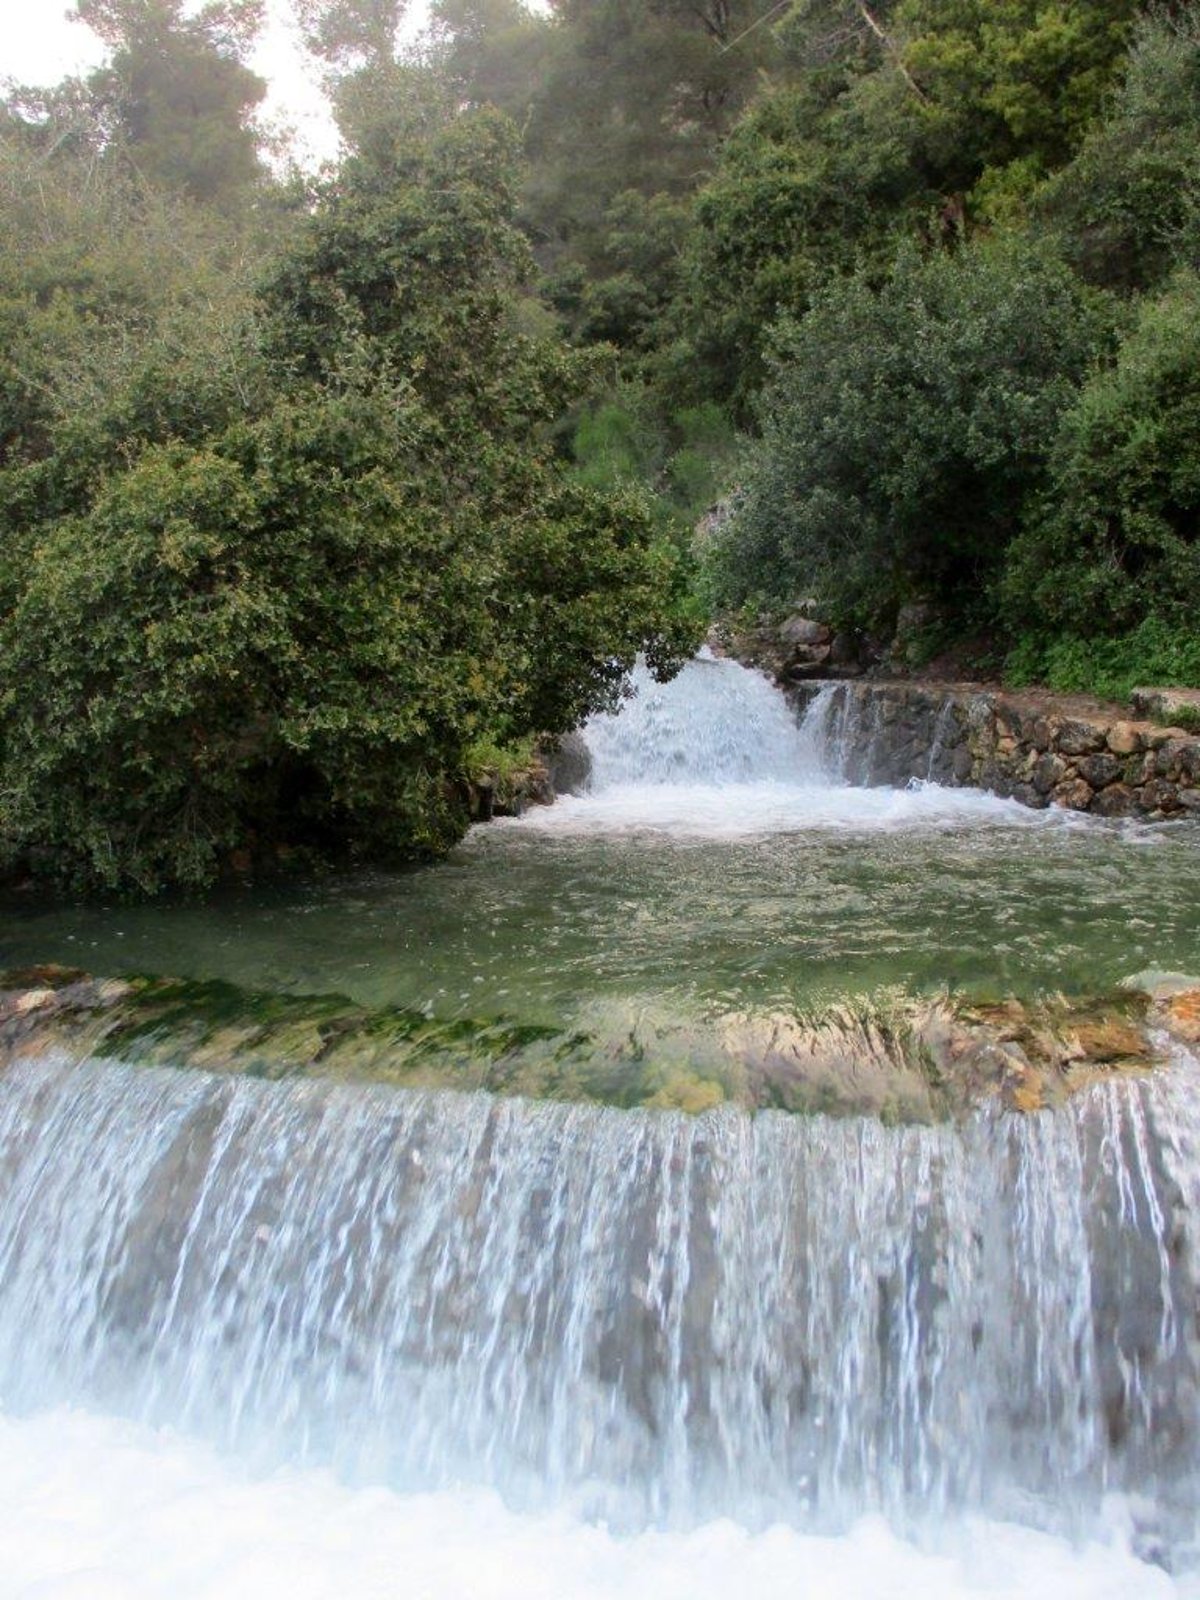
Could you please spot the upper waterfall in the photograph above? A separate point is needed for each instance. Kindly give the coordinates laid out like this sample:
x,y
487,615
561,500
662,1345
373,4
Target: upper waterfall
x,y
719,751
716,723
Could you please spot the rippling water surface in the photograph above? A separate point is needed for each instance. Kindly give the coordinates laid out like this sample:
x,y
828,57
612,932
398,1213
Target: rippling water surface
x,y
713,864
550,922
443,1347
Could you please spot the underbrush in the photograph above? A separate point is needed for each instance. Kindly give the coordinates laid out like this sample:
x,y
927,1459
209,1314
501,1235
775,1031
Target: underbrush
x,y
1154,653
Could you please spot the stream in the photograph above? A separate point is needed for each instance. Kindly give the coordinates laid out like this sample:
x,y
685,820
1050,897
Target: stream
x,y
320,1339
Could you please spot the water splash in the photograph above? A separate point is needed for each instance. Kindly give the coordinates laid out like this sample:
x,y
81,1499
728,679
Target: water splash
x,y
94,1509
718,753
654,1317
716,723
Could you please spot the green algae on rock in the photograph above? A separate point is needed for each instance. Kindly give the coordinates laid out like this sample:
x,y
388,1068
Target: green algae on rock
x,y
898,1057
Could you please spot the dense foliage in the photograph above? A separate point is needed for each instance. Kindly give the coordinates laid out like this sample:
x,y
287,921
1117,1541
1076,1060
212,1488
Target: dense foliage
x,y
289,567
311,489
900,429
984,399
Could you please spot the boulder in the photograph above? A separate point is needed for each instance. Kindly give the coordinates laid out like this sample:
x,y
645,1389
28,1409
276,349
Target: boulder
x,y
804,632
1074,795
1125,739
843,650
1099,770
570,765
1029,796
1049,771
814,663
1075,738
1167,705
1118,800
1160,796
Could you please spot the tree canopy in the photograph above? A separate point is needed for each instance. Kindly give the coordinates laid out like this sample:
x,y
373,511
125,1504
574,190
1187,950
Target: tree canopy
x,y
310,488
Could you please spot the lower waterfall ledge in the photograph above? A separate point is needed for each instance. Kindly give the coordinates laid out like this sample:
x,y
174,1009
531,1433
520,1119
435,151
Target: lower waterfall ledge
x,y
899,1057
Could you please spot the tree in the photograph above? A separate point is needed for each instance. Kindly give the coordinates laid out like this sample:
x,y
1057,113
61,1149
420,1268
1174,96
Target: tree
x,y
126,311
491,52
903,429
1016,82
289,619
634,98
351,35
815,180
1125,209
176,93
1115,539
914,119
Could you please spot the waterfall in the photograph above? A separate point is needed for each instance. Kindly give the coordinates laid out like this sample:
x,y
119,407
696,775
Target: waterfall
x,y
659,1316
715,723
718,751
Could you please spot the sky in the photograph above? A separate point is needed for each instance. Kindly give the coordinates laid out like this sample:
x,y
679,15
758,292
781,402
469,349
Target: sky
x,y
41,46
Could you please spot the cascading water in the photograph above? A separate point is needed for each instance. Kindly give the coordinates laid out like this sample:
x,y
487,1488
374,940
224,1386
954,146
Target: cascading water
x,y
652,1317
715,724
315,1340
717,751
671,1317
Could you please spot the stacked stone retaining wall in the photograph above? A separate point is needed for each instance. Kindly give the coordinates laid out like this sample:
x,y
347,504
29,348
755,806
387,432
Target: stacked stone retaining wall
x,y
1032,748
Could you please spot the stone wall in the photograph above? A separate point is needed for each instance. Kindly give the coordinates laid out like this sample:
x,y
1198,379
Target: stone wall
x,y
1039,749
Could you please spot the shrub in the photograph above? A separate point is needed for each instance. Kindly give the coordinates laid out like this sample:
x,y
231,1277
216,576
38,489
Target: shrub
x,y
902,431
1153,653
1115,539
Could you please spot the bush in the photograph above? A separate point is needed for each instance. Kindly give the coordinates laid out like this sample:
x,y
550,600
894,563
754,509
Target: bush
x,y
902,431
1115,539
291,637
288,616
1154,653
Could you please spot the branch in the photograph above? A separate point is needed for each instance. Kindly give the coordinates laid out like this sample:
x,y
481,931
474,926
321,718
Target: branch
x,y
893,50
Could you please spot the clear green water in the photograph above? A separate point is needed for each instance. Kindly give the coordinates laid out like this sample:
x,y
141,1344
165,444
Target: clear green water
x,y
568,928
713,868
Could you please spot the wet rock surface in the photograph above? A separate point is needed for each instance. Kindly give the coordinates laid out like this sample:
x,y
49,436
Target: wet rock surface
x,y
901,1058
1036,748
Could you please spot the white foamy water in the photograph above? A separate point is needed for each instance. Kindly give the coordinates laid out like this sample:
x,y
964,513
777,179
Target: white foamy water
x,y
93,1508
741,810
718,753
659,1318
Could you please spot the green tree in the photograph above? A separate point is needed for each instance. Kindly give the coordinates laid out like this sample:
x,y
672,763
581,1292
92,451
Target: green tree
x,y
632,102
491,52
918,119
902,430
1010,86
126,312
351,34
288,616
1115,539
814,181
176,93
1125,209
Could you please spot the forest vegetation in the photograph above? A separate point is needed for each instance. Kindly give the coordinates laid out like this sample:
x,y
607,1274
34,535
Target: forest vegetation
x,y
316,491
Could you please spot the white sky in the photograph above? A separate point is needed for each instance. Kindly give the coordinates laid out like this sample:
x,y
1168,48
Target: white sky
x,y
41,46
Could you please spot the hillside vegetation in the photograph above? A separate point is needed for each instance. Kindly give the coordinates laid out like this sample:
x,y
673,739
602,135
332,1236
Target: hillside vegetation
x,y
312,488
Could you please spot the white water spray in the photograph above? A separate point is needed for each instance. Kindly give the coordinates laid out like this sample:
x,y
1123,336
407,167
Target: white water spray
x,y
716,723
657,1317
718,752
